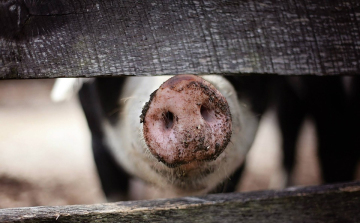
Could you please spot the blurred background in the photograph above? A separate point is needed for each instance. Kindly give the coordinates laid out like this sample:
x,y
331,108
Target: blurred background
x,y
46,159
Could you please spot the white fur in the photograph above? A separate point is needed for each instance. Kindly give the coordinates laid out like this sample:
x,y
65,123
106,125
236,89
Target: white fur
x,y
128,146
66,88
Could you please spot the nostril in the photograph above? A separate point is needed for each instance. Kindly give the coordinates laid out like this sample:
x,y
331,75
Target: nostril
x,y
168,118
207,114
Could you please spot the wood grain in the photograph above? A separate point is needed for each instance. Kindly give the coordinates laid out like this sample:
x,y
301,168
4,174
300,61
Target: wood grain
x,y
329,203
59,38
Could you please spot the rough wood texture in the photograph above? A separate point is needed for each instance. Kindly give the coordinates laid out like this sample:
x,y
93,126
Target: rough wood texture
x,y
40,39
330,203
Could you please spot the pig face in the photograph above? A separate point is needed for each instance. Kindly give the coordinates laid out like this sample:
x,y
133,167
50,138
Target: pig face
x,y
185,134
186,120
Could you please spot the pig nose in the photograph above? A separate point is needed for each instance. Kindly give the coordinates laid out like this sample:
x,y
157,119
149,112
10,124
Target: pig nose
x,y
186,119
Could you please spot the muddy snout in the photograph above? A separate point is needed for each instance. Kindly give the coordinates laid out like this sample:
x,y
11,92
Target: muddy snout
x,y
186,119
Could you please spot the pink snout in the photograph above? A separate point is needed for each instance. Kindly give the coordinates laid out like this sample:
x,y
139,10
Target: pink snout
x,y
187,119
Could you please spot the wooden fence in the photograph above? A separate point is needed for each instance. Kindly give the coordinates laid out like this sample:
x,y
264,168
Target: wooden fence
x,y
85,38
60,38
328,203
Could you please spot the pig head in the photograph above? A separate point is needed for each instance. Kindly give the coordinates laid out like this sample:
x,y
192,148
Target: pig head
x,y
192,133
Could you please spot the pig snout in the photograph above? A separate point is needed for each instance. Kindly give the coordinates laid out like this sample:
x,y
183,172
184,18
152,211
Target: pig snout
x,y
186,119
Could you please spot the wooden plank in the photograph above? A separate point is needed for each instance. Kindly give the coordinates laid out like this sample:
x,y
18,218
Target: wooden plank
x,y
57,38
329,203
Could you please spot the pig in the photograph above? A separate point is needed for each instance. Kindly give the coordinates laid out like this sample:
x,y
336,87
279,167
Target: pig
x,y
332,102
186,134
134,122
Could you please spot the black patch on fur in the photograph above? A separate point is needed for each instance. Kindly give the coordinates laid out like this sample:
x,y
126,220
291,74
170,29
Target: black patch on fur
x,y
114,180
109,90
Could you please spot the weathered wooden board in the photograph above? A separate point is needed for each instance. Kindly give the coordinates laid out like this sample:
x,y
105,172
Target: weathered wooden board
x,y
330,203
55,38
